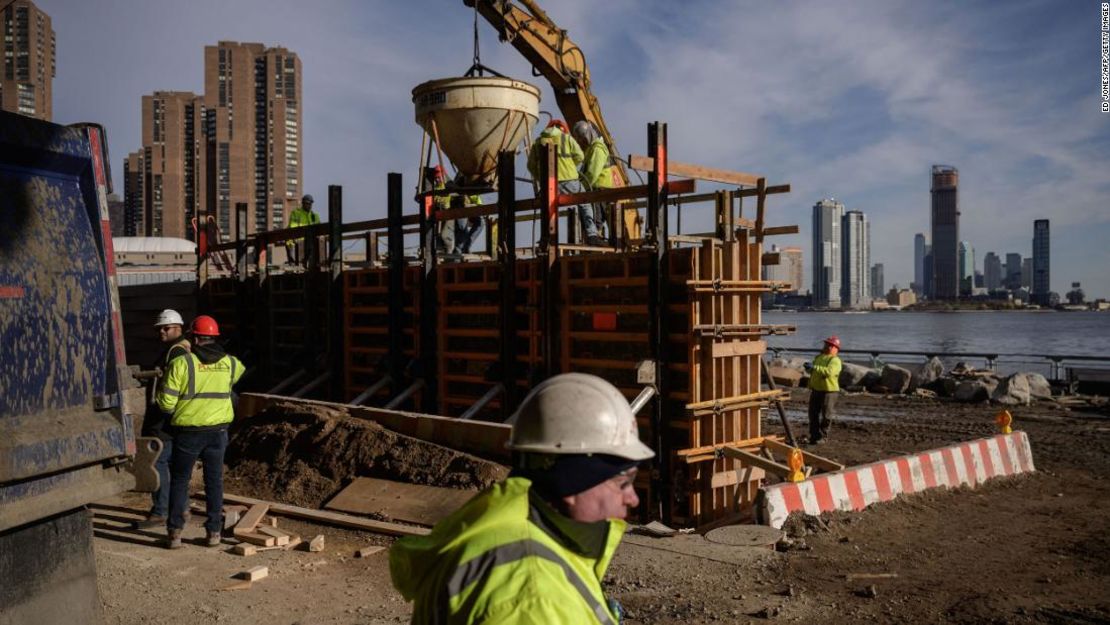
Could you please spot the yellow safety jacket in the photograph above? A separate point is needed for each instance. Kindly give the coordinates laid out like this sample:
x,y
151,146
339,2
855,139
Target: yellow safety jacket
x,y
597,169
826,373
197,390
568,155
301,217
507,557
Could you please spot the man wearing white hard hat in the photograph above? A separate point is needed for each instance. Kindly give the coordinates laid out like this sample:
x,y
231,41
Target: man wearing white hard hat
x,y
534,548
171,332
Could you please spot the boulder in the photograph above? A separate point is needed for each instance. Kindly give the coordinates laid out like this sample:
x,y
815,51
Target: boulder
x,y
798,364
929,372
852,374
1039,388
975,390
785,376
945,387
1012,391
895,378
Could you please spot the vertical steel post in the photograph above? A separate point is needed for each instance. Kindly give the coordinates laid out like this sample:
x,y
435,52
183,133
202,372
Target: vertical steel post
x,y
336,335
396,348
549,256
242,315
429,309
658,278
506,253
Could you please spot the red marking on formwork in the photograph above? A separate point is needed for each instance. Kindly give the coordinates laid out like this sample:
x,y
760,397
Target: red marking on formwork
x,y
905,474
98,163
11,292
661,165
927,470
1004,453
988,462
969,462
823,493
855,493
109,248
792,497
950,467
882,482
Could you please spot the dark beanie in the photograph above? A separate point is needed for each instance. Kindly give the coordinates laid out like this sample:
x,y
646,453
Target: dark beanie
x,y
557,476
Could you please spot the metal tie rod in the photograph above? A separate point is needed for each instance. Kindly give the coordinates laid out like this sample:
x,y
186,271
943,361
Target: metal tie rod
x,y
642,399
405,394
287,382
369,392
317,381
477,406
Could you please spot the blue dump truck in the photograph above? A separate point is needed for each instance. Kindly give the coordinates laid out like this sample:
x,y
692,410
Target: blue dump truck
x,y
65,440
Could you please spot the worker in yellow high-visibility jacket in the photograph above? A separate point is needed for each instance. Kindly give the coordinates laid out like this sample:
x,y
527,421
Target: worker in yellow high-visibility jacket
x,y
197,397
568,157
824,387
534,548
299,217
597,166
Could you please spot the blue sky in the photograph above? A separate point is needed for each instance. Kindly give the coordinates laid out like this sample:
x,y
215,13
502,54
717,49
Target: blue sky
x,y
847,100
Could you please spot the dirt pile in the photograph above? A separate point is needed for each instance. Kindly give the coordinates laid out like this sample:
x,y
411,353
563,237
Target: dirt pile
x,y
304,455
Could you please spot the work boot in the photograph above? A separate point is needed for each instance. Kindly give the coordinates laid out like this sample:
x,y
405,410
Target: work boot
x,y
212,539
173,539
152,522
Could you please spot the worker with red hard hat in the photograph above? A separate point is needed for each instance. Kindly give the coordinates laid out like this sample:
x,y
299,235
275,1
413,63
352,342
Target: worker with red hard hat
x,y
197,399
824,386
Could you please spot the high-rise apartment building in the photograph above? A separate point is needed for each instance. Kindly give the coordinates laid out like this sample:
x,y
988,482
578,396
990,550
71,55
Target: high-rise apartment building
x,y
253,107
173,154
945,219
878,290
967,267
1012,279
827,217
855,248
1027,273
134,175
919,252
1041,274
26,84
789,268
992,272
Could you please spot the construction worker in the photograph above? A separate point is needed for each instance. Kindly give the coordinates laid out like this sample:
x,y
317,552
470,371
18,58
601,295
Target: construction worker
x,y
457,235
534,548
299,217
568,156
197,393
597,166
171,332
824,386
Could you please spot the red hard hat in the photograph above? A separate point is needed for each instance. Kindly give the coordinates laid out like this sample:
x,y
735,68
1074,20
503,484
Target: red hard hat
x,y
834,341
205,326
560,123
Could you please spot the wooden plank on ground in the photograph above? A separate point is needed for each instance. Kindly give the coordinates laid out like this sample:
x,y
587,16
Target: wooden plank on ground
x,y
250,520
332,518
411,503
739,348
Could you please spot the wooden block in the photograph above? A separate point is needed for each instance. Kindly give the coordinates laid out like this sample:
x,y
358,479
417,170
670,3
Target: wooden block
x,y
238,586
257,539
250,520
739,348
293,542
316,543
281,537
254,573
368,551
231,518
244,550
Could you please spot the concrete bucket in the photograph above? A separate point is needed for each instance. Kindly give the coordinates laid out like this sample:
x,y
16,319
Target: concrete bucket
x,y
472,119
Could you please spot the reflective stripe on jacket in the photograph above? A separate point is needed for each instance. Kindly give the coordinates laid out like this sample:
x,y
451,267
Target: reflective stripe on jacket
x,y
597,168
199,394
568,154
826,373
507,557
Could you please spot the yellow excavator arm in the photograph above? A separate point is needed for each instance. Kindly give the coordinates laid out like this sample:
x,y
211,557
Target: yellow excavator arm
x,y
554,56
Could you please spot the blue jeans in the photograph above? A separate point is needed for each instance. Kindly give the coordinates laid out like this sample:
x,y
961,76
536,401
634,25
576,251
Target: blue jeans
x,y
585,211
209,446
160,499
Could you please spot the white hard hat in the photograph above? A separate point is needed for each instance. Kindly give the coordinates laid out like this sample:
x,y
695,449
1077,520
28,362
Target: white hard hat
x,y
577,413
168,317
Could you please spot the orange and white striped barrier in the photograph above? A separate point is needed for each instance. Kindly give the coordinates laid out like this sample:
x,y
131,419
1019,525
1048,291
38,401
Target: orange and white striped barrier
x,y
855,488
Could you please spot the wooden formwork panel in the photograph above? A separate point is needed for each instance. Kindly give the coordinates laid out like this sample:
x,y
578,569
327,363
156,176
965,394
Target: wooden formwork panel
x,y
366,323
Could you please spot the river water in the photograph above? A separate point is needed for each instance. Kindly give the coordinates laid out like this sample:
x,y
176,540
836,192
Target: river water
x,y
1021,339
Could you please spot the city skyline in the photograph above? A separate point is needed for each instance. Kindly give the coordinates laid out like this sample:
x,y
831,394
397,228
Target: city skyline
x,y
1003,93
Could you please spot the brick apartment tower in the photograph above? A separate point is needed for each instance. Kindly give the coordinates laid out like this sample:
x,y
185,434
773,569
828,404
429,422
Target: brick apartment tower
x,y
172,164
946,232
26,84
134,175
252,96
